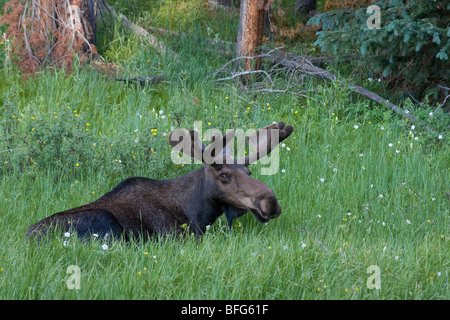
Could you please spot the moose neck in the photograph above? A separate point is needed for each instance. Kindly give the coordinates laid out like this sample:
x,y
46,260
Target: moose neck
x,y
196,195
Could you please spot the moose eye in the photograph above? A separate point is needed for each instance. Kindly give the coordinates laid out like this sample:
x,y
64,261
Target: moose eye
x,y
223,177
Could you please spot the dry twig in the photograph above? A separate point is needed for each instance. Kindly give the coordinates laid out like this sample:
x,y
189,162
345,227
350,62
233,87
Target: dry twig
x,y
321,244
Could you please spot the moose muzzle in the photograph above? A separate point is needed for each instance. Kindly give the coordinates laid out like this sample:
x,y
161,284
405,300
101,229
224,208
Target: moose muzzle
x,y
266,207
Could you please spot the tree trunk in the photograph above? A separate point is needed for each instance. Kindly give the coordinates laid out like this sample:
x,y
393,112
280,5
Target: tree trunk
x,y
51,32
88,10
250,34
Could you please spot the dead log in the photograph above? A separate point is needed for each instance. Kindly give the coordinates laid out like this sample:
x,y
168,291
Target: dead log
x,y
303,65
144,81
141,32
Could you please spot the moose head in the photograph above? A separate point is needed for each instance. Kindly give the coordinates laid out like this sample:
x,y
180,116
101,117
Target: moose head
x,y
229,178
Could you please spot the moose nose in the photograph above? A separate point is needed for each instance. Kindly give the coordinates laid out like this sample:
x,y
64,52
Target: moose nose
x,y
270,208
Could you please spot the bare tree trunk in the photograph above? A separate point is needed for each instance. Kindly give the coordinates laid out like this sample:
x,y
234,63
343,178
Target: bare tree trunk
x,y
88,20
250,34
51,32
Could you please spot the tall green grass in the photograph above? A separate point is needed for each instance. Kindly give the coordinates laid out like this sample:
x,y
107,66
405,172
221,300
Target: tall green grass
x,y
356,188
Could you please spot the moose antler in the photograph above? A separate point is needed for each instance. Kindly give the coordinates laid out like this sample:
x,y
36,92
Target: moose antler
x,y
265,140
188,142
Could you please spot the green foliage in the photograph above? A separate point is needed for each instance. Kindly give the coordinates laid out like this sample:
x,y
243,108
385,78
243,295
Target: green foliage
x,y
411,48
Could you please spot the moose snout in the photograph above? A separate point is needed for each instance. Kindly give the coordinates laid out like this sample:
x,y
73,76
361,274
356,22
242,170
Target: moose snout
x,y
268,206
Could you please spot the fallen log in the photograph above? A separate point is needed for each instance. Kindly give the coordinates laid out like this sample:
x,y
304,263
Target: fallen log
x,y
143,81
141,32
303,65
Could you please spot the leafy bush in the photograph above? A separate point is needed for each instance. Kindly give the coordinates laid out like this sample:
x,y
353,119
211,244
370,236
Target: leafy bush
x,y
410,49
62,140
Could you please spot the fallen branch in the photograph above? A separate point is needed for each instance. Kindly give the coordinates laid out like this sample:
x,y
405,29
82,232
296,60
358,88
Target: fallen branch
x,y
303,65
239,74
144,81
321,244
141,32
283,91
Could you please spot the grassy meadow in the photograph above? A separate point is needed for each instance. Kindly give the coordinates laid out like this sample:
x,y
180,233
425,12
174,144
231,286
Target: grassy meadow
x,y
358,186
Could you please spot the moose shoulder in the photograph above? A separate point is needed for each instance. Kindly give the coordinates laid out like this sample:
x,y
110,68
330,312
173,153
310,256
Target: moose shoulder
x,y
144,207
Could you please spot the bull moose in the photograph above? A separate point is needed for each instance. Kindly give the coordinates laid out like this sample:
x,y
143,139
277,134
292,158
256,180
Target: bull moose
x,y
142,207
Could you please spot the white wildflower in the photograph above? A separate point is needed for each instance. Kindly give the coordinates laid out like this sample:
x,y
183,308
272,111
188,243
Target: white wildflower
x,y
105,246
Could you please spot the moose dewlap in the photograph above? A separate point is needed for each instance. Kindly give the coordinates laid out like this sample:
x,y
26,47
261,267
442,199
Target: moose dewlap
x,y
141,207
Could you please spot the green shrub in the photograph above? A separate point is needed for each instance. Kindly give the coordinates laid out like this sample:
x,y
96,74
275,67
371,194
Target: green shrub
x,y
410,49
63,141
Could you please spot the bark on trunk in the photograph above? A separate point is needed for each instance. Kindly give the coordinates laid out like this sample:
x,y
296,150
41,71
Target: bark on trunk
x,y
51,32
250,33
